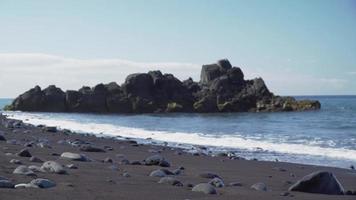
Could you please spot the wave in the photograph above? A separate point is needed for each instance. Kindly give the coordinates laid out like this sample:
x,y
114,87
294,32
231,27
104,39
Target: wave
x,y
183,139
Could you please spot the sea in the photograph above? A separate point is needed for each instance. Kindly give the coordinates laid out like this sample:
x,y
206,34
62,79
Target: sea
x,y
325,137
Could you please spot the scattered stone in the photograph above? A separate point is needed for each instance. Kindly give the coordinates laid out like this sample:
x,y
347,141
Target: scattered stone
x,y
35,159
320,182
217,182
90,148
74,156
53,167
15,161
208,175
157,160
23,170
24,153
204,188
259,187
43,183
170,181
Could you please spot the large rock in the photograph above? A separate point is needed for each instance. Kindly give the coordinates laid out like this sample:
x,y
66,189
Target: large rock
x,y
222,88
320,182
53,167
205,188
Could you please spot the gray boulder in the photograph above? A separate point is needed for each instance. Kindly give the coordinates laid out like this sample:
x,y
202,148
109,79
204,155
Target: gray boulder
x,y
204,188
74,156
43,183
320,182
24,153
53,167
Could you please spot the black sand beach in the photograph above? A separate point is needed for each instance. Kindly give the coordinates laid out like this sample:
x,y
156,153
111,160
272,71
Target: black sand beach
x,y
119,172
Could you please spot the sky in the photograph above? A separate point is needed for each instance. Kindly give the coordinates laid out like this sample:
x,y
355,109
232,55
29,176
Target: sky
x,y
304,47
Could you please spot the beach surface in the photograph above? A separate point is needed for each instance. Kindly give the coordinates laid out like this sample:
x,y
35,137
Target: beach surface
x,y
119,171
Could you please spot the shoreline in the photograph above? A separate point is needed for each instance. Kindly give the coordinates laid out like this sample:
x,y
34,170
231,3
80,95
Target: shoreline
x,y
131,180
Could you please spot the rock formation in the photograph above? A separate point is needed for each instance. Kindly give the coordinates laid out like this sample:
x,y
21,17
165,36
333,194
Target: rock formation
x,y
222,88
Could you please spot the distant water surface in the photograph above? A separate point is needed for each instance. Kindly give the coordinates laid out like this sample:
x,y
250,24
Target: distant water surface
x,y
325,137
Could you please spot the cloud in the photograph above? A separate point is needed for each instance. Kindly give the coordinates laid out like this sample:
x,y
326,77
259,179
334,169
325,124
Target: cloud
x,y
19,72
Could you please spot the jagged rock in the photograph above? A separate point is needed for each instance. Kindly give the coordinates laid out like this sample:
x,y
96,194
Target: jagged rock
x,y
222,88
319,182
24,153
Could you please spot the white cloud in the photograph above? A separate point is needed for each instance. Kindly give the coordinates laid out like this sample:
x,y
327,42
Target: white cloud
x,y
19,72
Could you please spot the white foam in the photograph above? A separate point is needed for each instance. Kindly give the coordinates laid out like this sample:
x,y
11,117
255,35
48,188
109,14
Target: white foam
x,y
221,141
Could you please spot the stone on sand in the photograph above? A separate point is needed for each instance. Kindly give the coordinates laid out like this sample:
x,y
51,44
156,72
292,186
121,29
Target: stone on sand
x,y
23,170
170,181
205,188
24,153
259,187
53,167
321,182
74,156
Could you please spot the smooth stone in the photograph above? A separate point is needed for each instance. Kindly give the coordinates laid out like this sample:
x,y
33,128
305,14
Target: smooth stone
x,y
25,185
36,168
217,182
157,160
170,181
74,156
35,159
53,167
205,188
158,173
43,183
15,161
24,153
6,184
320,182
259,187
23,170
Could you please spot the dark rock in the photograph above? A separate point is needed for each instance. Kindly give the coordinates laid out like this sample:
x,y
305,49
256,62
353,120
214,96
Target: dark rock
x,y
43,183
51,129
6,184
24,153
2,138
157,160
90,148
319,182
204,188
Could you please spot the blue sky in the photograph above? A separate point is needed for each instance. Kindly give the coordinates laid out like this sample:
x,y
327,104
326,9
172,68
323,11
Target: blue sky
x,y
298,47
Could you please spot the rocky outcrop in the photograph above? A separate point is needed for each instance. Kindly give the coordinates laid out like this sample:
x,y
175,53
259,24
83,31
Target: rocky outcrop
x,y
222,88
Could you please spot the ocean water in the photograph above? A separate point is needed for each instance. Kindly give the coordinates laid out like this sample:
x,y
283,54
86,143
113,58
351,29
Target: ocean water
x,y
325,137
